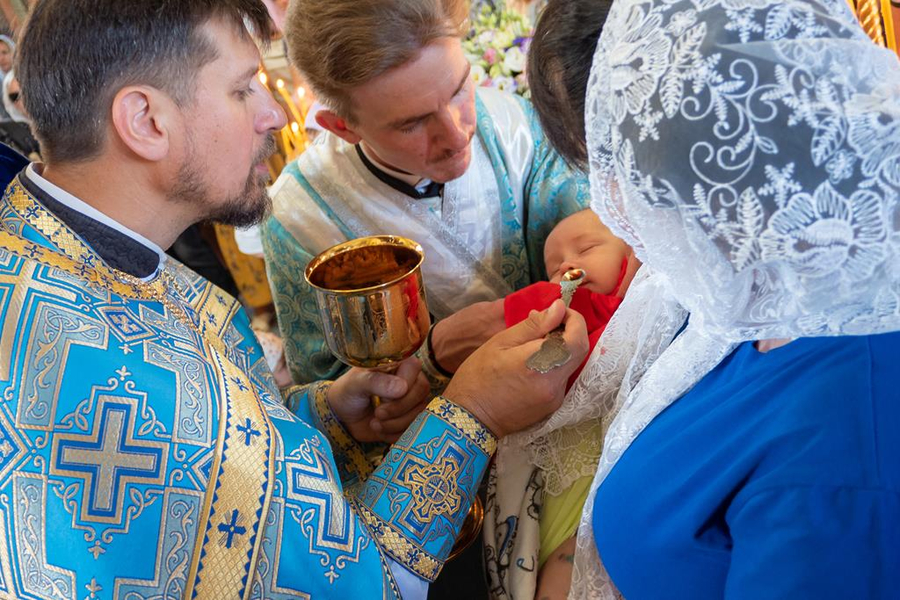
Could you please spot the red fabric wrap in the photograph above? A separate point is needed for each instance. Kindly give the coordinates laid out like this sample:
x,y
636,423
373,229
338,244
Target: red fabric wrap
x,y
597,309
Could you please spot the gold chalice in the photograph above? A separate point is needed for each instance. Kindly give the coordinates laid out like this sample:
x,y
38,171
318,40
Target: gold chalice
x,y
371,300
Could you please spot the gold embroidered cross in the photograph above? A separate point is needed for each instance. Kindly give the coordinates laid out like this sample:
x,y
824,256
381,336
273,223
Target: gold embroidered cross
x,y
434,489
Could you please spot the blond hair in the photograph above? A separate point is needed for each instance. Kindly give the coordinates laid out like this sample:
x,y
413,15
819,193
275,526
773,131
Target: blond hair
x,y
341,44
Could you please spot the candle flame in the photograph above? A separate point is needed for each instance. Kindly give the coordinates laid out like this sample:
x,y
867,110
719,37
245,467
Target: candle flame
x,y
280,84
263,78
294,127
301,92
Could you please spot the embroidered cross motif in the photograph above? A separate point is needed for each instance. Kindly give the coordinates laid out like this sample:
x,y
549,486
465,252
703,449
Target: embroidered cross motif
x,y
248,431
108,459
231,529
125,325
434,489
240,384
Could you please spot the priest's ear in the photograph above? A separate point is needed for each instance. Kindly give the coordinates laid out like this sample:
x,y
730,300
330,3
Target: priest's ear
x,y
337,125
142,118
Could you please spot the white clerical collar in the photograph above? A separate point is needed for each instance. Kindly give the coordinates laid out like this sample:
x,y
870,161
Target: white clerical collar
x,y
413,180
64,197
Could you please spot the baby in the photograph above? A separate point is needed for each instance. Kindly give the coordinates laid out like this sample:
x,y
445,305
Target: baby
x,y
578,241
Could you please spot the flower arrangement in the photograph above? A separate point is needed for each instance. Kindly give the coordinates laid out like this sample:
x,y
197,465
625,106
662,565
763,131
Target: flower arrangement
x,y
497,47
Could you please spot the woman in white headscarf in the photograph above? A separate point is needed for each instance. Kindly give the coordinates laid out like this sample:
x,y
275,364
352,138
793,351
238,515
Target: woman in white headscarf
x,y
749,151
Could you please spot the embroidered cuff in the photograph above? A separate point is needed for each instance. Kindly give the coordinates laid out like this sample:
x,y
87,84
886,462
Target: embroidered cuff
x,y
349,455
415,503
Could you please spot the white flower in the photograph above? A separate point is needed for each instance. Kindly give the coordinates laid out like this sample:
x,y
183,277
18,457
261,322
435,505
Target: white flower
x,y
478,74
821,234
514,60
503,39
505,84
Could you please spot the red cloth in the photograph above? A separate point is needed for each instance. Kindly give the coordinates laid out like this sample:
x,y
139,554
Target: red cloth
x,y
597,309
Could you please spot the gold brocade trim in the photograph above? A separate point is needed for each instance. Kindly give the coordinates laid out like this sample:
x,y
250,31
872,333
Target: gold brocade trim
x,y
297,388
76,258
463,420
397,546
238,495
356,461
214,308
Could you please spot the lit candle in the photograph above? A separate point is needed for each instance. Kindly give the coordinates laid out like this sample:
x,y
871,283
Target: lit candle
x,y
301,95
299,136
288,100
286,142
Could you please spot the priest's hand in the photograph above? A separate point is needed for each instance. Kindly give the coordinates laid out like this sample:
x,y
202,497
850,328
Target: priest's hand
x,y
495,385
404,395
455,338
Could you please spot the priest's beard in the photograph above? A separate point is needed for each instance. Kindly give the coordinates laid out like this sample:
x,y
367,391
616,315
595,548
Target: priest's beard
x,y
248,207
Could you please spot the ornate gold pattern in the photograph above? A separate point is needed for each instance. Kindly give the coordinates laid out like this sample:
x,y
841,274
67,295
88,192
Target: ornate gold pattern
x,y
465,422
398,545
240,485
108,459
435,491
242,490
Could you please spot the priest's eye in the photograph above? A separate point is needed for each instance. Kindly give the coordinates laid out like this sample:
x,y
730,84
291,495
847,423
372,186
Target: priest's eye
x,y
410,128
244,93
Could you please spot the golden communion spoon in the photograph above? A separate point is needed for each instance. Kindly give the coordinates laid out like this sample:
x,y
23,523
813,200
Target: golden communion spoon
x,y
553,352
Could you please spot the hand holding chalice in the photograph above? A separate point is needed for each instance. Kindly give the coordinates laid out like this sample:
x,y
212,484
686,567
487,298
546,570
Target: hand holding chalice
x,y
371,301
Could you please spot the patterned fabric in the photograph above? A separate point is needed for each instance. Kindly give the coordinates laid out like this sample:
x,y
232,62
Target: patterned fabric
x,y
249,272
747,150
429,483
516,185
145,451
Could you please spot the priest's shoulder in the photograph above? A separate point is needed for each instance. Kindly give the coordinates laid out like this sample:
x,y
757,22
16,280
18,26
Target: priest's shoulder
x,y
508,111
29,269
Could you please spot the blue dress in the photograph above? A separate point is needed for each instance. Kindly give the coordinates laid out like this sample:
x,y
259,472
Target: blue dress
x,y
776,476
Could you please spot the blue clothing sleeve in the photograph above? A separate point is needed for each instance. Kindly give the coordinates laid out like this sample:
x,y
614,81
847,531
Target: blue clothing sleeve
x,y
553,191
355,461
815,542
414,502
305,350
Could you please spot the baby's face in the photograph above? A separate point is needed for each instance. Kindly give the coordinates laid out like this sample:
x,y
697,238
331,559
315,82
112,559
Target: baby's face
x,y
583,241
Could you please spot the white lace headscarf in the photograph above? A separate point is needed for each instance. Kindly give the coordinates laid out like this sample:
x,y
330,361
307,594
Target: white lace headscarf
x,y
749,150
